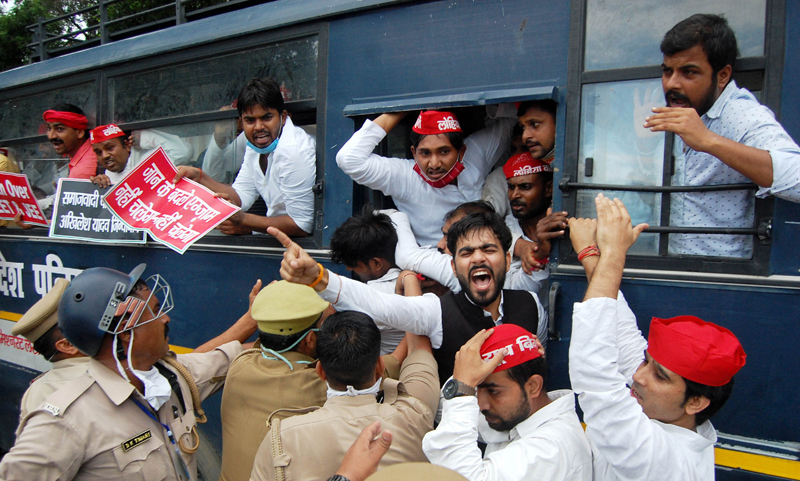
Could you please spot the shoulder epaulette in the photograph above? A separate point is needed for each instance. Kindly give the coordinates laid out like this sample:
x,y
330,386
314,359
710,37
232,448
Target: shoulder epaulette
x,y
58,402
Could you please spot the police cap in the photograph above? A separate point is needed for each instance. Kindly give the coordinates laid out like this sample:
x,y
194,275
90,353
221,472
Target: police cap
x,y
43,315
416,471
283,308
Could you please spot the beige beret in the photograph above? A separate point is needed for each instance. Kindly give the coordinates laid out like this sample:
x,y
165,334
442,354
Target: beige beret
x,y
417,472
283,308
43,315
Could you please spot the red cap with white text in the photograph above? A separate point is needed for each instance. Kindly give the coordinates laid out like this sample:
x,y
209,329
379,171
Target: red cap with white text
x,y
433,122
519,344
105,132
524,164
697,350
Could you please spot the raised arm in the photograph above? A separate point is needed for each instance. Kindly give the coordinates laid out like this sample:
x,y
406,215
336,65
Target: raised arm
x,y
428,262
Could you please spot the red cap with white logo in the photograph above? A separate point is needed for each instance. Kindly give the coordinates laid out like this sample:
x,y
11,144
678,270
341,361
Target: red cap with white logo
x,y
105,132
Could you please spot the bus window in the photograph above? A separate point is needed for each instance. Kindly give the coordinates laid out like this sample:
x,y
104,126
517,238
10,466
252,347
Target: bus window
x,y
22,117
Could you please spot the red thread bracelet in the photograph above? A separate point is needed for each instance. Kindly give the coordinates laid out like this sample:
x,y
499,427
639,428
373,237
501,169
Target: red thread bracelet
x,y
589,251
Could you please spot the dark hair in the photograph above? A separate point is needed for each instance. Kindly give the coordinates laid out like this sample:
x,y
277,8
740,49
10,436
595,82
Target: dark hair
x,y
716,394
348,347
456,138
73,109
46,344
478,221
263,92
362,237
470,208
548,105
277,342
522,372
711,32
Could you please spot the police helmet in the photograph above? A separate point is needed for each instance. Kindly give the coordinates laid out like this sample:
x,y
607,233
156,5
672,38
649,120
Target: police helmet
x,y
87,308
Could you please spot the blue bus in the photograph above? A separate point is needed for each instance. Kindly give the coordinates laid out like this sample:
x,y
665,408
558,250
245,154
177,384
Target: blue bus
x,y
342,61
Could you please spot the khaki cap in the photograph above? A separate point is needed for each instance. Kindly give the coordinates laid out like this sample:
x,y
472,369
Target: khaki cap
x,y
417,472
43,315
283,308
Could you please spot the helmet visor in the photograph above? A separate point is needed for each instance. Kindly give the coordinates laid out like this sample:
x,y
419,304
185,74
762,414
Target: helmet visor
x,y
158,303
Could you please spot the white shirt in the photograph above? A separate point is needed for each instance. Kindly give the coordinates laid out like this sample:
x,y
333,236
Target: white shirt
x,y
605,350
223,164
425,205
738,116
286,185
549,445
437,265
421,315
390,338
178,151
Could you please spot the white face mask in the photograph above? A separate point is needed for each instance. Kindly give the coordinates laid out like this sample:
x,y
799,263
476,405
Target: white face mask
x,y
157,390
351,391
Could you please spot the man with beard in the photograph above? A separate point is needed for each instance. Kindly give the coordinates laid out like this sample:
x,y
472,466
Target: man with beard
x,y
67,131
279,165
479,243
132,413
679,377
498,392
446,171
724,136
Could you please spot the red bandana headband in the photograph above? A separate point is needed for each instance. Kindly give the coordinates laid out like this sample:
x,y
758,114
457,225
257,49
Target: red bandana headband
x,y
519,344
524,164
105,132
433,122
700,351
73,120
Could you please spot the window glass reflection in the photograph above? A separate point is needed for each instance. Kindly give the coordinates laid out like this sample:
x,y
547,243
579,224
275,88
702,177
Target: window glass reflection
x,y
210,84
618,35
22,117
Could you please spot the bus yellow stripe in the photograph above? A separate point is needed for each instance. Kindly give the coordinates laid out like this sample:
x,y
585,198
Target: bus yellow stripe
x,y
11,316
757,463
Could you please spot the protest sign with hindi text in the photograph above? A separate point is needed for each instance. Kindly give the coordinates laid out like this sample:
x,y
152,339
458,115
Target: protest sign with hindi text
x,y
16,196
177,215
79,213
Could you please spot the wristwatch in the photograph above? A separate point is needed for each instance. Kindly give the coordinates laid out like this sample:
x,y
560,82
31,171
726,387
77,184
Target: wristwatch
x,y
454,388
338,477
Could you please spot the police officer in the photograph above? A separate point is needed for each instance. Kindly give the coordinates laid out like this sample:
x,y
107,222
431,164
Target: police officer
x,y
132,414
39,325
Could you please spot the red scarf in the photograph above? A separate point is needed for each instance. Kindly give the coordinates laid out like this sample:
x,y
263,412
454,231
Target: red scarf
x,y
449,177
75,121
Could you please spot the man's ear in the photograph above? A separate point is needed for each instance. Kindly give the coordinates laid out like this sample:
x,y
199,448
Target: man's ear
x,y
534,386
462,151
696,404
63,345
309,344
380,367
723,77
413,152
548,189
284,114
453,265
128,144
508,260
376,264
321,372
81,133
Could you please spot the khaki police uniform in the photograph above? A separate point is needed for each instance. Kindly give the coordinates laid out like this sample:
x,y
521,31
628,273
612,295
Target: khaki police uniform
x,y
311,446
417,472
93,430
39,319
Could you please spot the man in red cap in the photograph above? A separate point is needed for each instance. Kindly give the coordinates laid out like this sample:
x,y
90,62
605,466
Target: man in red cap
x,y
680,377
447,170
67,131
498,392
112,149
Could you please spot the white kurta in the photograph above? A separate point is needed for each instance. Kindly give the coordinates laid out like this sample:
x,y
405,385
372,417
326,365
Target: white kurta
x,y
549,445
286,185
223,164
605,350
421,315
390,337
424,205
178,151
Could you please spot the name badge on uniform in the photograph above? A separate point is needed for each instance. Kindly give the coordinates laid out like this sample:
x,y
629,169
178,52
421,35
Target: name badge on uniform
x,y
136,440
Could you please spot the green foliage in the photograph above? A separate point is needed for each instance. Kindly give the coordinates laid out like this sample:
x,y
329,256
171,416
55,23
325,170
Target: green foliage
x,y
15,20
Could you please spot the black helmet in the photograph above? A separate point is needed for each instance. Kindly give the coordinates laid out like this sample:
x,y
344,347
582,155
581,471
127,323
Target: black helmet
x,y
86,310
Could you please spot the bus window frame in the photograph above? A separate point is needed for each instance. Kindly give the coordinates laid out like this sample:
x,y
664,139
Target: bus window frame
x,y
770,67
103,74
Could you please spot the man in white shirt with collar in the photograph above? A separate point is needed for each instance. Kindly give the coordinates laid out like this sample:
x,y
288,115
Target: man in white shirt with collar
x,y
723,136
365,244
530,433
680,377
446,171
279,165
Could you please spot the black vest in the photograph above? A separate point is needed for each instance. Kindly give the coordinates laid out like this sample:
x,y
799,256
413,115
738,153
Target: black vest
x,y
462,319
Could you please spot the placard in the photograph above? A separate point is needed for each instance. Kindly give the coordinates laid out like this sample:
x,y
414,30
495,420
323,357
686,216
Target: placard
x,y
79,213
176,215
16,195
